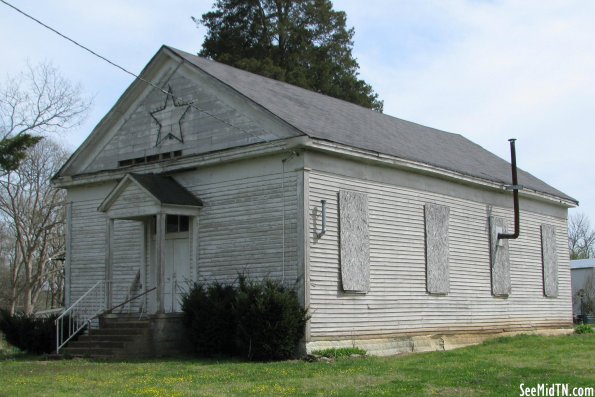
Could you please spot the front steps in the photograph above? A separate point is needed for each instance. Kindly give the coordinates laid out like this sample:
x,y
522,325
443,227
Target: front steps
x,y
125,336
118,336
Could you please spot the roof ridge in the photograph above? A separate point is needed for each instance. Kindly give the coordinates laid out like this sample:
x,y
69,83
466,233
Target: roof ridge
x,y
186,54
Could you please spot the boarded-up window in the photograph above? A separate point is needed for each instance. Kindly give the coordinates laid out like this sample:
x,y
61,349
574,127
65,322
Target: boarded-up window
x,y
500,260
549,258
354,241
436,220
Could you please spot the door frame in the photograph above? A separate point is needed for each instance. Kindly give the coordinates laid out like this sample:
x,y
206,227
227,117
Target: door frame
x,y
156,302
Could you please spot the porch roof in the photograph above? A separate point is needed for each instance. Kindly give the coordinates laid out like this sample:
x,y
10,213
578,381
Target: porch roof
x,y
144,194
166,189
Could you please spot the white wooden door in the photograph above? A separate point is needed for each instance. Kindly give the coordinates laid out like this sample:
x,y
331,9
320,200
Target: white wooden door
x,y
177,271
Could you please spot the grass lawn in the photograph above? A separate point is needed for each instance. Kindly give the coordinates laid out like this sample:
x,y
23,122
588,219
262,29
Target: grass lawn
x,y
495,368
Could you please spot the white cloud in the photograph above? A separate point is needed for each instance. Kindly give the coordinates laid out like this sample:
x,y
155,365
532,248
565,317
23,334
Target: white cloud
x,y
489,70
503,69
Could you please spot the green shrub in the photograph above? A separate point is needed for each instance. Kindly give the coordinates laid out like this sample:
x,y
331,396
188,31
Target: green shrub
x,y
339,352
583,329
30,334
270,320
209,318
258,321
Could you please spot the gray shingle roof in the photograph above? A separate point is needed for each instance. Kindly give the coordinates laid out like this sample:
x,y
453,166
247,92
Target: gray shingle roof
x,y
323,117
167,190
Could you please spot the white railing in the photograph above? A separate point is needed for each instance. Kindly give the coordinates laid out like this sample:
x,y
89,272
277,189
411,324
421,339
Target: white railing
x,y
80,314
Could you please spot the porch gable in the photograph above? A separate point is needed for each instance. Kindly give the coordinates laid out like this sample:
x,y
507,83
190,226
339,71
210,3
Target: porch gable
x,y
138,196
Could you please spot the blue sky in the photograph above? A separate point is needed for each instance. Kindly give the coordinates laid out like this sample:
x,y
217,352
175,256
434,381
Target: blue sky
x,y
489,70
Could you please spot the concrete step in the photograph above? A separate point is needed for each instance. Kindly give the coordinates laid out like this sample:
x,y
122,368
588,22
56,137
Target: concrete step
x,y
125,336
119,331
98,343
126,324
122,317
112,338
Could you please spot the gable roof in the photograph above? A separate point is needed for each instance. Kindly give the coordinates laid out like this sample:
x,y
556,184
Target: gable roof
x,y
164,190
322,117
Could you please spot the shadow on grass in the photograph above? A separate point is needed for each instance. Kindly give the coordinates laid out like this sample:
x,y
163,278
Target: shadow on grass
x,y
14,354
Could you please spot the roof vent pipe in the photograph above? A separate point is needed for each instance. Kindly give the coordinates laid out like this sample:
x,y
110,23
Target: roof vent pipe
x,y
515,189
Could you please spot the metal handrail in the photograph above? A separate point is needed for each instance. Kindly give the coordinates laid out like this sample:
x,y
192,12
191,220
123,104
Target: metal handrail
x,y
48,312
86,309
81,313
131,299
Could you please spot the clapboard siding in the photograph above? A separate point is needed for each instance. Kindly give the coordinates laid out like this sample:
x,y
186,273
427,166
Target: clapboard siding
x,y
131,198
240,229
397,301
127,257
87,256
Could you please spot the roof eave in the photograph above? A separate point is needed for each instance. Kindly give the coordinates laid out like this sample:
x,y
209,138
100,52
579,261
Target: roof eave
x,y
185,163
372,156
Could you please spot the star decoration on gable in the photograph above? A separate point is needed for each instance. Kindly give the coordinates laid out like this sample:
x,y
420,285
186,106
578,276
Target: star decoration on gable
x,y
169,118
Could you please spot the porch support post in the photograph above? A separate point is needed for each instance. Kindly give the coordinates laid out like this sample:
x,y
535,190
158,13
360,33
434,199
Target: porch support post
x,y
109,257
160,260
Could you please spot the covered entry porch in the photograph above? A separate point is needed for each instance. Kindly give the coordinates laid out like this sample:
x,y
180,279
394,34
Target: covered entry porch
x,y
168,216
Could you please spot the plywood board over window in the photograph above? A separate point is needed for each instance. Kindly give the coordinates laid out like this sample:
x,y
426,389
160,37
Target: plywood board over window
x,y
354,241
500,259
436,225
549,258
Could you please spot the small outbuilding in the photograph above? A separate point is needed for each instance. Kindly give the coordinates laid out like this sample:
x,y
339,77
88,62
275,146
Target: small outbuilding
x,y
387,228
582,273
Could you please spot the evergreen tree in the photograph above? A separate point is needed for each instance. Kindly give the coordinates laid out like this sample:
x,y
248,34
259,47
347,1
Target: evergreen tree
x,y
301,42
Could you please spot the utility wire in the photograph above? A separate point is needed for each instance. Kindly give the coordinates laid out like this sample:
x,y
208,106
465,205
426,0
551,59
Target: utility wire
x,y
69,39
133,74
174,98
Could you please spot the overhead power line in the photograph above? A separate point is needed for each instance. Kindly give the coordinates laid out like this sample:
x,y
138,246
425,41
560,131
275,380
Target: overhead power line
x,y
152,84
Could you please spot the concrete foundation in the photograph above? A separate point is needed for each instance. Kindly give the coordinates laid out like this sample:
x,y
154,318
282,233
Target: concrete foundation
x,y
168,335
426,343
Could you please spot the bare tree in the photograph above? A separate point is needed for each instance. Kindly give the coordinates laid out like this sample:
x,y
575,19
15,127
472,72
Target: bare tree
x,y
36,103
6,247
581,237
11,269
33,212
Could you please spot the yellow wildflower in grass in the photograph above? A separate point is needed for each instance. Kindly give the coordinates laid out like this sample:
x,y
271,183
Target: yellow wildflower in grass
x,y
153,391
21,380
283,390
276,389
174,380
69,379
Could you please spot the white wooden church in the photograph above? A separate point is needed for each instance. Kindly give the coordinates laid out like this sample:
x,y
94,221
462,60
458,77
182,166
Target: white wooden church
x,y
385,227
